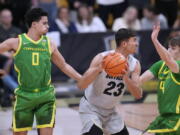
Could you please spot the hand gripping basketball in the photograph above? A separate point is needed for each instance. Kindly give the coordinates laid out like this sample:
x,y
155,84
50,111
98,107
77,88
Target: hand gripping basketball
x,y
115,64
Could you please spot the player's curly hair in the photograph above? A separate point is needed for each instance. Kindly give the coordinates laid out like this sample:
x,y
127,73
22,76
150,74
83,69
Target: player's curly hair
x,y
123,35
175,41
34,14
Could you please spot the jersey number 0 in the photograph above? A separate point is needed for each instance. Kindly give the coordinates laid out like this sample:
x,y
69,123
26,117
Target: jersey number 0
x,y
35,59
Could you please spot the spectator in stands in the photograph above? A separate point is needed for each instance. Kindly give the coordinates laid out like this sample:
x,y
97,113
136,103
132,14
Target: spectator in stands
x,y
87,22
114,7
7,30
49,6
151,17
177,23
19,8
169,8
129,20
62,23
7,81
75,4
139,4
9,84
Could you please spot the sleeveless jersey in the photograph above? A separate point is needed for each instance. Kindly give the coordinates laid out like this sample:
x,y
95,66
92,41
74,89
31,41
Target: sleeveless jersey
x,y
106,91
168,88
32,62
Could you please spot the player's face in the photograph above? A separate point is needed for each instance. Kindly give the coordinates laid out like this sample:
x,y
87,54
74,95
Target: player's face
x,y
132,45
42,25
174,51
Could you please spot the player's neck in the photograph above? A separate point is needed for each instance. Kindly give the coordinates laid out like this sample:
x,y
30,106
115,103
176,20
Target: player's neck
x,y
33,35
122,51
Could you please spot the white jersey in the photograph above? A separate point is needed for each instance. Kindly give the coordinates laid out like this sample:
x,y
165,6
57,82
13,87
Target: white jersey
x,y
106,91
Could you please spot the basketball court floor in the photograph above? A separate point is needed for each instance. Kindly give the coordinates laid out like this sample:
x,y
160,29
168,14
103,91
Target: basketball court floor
x,y
137,116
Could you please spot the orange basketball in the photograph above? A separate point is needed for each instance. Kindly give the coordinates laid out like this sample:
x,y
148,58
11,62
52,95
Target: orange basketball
x,y
114,64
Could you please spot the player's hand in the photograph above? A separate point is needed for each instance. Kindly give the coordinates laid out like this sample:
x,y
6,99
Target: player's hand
x,y
155,32
125,72
2,72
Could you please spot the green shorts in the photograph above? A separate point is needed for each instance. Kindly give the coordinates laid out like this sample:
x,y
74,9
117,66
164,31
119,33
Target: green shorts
x,y
29,103
168,124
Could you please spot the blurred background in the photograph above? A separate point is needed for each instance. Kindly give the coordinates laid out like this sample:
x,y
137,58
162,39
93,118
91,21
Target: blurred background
x,y
81,29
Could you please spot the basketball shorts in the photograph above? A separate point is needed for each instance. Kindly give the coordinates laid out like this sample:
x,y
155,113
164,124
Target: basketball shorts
x,y
168,124
39,103
106,119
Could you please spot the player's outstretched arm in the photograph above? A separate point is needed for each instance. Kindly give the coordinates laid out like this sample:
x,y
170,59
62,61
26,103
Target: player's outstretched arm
x,y
60,62
146,76
162,51
133,83
90,75
8,45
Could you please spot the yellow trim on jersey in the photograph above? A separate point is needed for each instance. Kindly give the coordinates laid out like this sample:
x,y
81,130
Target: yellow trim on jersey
x,y
35,42
14,119
52,119
165,130
165,72
19,46
178,106
173,78
49,46
49,81
22,129
19,74
161,69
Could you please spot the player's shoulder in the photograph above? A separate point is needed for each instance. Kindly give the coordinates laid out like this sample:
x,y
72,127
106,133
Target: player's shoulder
x,y
131,58
106,52
12,41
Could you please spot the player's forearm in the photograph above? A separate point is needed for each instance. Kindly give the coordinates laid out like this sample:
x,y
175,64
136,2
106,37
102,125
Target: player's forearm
x,y
162,51
165,56
146,76
88,78
133,87
71,72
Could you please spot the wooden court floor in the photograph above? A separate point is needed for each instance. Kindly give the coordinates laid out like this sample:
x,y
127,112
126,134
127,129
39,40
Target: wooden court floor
x,y
136,116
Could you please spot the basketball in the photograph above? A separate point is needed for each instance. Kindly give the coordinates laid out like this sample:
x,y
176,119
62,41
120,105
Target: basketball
x,y
114,64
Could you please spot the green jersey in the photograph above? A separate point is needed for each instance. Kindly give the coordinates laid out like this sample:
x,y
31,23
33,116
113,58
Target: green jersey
x,y
33,62
168,88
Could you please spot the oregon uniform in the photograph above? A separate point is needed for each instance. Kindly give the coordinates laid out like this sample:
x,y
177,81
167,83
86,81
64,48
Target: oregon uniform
x,y
35,94
168,122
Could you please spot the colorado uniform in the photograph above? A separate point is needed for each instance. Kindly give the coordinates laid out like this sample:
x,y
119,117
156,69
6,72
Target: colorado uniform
x,y
98,105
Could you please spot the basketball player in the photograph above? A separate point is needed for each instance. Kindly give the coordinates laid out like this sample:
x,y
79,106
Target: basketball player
x,y
97,107
35,96
167,71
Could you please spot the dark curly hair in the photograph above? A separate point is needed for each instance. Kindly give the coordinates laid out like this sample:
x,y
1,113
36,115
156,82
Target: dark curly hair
x,y
34,14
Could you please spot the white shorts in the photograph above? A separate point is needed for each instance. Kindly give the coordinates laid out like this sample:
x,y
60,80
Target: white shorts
x,y
106,119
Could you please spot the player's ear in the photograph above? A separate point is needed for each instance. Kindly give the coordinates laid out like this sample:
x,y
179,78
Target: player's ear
x,y
33,24
124,43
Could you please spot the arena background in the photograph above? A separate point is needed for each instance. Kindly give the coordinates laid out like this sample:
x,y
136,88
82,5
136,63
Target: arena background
x,y
78,50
